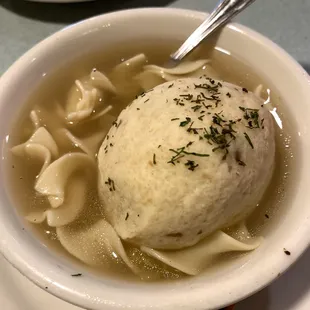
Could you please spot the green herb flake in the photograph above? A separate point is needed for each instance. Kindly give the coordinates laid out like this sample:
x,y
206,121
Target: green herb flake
x,y
110,183
262,123
196,107
191,165
251,116
174,159
217,119
117,124
194,130
207,106
186,122
249,140
220,138
205,97
210,88
196,154
180,153
187,97
241,163
198,99
178,101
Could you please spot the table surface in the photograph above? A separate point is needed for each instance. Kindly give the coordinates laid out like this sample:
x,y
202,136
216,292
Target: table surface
x,y
286,22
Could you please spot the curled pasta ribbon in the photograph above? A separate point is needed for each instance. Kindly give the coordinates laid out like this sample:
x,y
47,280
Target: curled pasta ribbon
x,y
66,194
40,146
40,136
69,138
86,95
92,244
99,80
89,145
86,105
184,68
39,152
130,66
194,259
123,75
35,120
68,211
153,75
95,116
149,79
258,91
54,179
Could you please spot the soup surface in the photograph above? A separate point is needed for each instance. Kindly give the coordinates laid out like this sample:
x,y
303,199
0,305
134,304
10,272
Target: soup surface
x,y
52,95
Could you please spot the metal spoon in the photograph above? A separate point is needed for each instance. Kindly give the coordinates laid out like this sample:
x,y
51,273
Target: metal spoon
x,y
224,11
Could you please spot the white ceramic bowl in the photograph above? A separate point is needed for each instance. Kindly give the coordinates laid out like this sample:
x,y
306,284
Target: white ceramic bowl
x,y
208,291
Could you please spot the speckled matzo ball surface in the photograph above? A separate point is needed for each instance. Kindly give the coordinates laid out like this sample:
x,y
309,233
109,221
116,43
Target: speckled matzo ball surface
x,y
185,159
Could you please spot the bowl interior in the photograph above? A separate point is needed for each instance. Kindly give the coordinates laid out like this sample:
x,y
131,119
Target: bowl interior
x,y
207,291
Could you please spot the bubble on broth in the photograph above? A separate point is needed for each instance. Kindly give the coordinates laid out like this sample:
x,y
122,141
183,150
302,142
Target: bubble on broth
x,y
47,106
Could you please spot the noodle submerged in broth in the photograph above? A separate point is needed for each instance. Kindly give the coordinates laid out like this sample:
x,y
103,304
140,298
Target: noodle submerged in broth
x,y
60,147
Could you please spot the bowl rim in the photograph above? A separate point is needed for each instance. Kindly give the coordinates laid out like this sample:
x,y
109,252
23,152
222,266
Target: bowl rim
x,y
34,273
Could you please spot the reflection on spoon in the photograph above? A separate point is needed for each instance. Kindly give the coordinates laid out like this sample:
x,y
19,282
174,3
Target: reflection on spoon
x,y
224,11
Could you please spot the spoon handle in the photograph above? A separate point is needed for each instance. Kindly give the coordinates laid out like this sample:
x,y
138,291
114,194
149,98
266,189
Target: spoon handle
x,y
225,10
